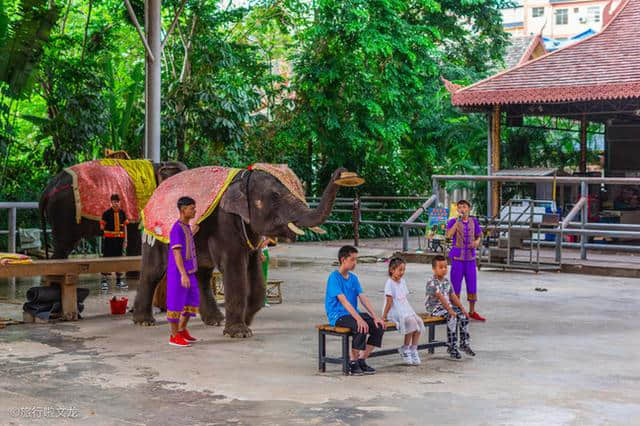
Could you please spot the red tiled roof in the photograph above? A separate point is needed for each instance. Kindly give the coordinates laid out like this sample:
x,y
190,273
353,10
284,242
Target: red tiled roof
x,y
603,66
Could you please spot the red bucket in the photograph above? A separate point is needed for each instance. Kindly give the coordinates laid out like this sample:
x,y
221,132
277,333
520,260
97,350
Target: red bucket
x,y
118,306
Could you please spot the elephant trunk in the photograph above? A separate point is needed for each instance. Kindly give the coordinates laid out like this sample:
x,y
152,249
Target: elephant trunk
x,y
308,218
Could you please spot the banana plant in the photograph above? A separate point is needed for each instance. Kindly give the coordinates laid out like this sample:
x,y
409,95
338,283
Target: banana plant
x,y
120,116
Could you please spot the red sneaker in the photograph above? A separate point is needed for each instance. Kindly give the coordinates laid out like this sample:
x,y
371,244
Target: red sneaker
x,y
476,316
187,336
178,340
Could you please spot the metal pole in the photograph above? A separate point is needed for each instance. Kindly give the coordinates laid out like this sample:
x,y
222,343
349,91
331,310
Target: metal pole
x,y
583,144
356,221
558,247
435,188
584,192
153,84
12,230
405,238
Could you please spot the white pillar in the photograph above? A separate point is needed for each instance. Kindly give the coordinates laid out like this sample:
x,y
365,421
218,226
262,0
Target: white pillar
x,y
153,28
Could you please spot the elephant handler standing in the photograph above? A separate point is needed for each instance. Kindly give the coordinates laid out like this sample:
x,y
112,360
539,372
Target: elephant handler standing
x,y
114,230
183,298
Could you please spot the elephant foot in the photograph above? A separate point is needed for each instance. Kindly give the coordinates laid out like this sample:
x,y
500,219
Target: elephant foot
x,y
237,330
212,318
143,319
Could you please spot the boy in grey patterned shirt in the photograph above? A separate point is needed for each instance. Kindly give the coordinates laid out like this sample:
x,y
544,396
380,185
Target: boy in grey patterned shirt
x,y
442,301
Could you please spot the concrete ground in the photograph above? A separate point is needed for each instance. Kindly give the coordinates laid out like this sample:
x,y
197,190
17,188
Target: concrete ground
x,y
565,356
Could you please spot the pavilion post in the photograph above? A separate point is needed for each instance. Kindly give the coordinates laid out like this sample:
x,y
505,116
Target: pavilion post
x,y
584,194
583,144
494,160
489,168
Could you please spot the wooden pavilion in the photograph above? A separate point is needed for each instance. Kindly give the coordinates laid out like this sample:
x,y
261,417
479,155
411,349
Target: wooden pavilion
x,y
594,80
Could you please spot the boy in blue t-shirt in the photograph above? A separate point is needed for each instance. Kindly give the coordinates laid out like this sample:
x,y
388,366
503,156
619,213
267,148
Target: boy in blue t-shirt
x,y
341,304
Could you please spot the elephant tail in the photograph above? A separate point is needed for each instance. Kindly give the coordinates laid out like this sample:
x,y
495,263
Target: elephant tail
x,y
43,222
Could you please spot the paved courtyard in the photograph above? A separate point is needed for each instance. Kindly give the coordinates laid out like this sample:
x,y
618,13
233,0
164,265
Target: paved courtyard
x,y
565,356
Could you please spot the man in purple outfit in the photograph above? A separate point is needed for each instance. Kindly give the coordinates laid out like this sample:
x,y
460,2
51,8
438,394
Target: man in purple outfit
x,y
183,298
467,235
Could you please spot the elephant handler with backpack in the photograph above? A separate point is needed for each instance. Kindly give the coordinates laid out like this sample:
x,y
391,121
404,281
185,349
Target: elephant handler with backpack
x,y
114,230
183,296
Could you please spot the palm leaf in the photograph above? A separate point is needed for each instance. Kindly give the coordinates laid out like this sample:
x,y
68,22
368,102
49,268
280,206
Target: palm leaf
x,y
25,40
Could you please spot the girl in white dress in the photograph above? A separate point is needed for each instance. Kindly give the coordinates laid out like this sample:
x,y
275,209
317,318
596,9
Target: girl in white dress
x,y
398,310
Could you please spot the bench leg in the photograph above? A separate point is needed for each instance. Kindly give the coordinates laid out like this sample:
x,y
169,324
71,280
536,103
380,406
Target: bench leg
x,y
345,355
322,351
432,336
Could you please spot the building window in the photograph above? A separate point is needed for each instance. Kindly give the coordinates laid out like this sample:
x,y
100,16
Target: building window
x,y
576,10
593,14
562,16
537,12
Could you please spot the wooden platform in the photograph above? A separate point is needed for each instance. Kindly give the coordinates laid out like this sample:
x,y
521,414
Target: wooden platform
x,y
72,266
65,272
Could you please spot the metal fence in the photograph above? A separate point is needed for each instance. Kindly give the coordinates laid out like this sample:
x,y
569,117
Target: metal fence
x,y
582,228
84,247
371,205
366,205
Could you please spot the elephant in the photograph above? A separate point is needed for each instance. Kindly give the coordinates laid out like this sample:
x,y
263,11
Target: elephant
x,y
255,205
57,205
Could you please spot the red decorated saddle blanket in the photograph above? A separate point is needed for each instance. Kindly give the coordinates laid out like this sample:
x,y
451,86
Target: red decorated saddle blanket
x,y
95,181
205,185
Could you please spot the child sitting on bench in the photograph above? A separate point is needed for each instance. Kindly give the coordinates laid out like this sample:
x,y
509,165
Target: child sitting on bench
x,y
442,301
408,323
341,304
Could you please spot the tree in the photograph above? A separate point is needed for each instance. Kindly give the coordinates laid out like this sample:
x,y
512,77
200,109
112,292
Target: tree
x,y
366,77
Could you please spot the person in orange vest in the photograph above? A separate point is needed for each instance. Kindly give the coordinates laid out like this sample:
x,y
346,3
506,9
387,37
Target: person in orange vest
x,y
114,231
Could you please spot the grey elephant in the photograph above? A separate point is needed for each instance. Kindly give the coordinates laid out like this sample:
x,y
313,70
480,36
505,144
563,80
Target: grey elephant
x,y
58,206
254,205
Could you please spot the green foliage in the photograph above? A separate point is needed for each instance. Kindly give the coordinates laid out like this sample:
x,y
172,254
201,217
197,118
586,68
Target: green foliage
x,y
21,51
318,85
368,93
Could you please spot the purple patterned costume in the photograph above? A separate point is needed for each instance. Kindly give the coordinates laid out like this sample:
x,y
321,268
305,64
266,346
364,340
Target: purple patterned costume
x,y
180,300
463,256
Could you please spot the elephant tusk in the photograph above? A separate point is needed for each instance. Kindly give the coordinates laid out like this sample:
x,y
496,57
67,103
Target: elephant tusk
x,y
295,229
318,230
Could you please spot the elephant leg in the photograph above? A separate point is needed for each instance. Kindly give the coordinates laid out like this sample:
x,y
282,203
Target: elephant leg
x,y
257,291
236,291
153,269
209,311
62,249
64,241
134,246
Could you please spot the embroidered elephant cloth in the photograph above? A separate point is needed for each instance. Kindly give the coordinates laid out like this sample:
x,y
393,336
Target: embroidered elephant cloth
x,y
95,181
285,175
142,175
205,185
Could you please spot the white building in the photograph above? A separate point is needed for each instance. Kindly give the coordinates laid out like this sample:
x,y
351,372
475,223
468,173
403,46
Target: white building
x,y
558,19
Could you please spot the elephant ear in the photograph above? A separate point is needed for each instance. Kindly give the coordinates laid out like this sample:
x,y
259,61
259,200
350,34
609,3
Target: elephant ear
x,y
235,201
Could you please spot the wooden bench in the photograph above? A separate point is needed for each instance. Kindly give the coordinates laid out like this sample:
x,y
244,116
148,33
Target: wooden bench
x,y
274,291
429,321
65,272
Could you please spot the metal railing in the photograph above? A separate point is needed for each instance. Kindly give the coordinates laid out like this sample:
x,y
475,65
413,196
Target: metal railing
x,y
12,230
371,204
584,229
13,207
